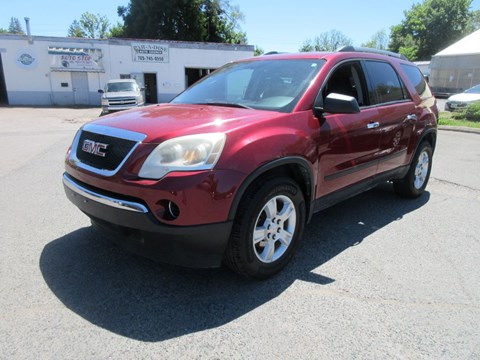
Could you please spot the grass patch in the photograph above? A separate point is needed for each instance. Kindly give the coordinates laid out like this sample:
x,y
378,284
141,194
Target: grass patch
x,y
446,119
469,117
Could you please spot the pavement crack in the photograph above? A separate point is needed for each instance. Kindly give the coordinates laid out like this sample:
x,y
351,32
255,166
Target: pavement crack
x,y
455,184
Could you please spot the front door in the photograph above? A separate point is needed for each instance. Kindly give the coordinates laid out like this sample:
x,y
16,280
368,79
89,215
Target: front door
x,y
349,150
349,143
80,88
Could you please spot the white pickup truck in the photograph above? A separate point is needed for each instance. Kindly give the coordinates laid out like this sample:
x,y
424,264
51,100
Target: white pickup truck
x,y
121,94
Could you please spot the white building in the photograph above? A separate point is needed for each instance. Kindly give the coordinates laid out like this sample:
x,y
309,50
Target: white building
x,y
38,70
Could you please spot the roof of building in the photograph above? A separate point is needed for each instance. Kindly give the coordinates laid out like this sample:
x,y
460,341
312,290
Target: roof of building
x,y
470,44
117,41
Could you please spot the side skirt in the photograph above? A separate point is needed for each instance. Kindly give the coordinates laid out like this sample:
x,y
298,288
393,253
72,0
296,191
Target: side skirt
x,y
331,199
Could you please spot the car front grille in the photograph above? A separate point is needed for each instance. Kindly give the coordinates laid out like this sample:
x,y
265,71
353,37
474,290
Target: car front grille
x,y
102,152
457,104
122,101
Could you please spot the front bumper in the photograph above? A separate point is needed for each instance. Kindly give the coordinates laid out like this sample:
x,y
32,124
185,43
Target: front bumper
x,y
455,105
131,225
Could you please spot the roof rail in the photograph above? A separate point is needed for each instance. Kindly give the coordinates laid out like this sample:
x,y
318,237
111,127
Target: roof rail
x,y
370,50
273,53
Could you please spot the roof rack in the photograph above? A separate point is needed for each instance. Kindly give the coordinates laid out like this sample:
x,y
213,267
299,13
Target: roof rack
x,y
370,50
273,53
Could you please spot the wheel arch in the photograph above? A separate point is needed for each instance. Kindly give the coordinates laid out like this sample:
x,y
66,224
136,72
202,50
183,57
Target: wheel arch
x,y
430,136
295,167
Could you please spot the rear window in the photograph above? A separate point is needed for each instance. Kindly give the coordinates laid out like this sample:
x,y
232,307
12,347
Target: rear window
x,y
418,81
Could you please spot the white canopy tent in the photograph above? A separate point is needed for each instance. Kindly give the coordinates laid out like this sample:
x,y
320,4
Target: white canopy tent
x,y
457,67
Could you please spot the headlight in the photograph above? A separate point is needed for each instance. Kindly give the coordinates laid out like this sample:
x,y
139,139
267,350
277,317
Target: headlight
x,y
186,153
104,101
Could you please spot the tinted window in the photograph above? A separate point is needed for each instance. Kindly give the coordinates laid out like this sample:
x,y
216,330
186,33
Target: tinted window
x,y
418,81
385,85
348,80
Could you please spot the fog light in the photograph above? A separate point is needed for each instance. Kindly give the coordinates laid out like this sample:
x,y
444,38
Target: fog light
x,y
167,210
173,210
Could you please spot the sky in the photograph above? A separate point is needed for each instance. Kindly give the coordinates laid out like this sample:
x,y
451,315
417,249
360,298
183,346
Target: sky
x,y
272,25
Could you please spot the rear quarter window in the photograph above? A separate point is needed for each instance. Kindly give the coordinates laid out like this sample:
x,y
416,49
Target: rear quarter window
x,y
415,76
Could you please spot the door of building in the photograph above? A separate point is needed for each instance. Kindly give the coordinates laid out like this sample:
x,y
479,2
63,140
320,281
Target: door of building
x,y
151,88
3,87
80,88
192,75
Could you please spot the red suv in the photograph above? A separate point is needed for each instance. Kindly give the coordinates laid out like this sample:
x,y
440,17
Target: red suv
x,y
232,169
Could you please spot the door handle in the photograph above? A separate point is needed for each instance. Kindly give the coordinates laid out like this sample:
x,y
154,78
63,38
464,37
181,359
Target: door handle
x,y
373,125
412,117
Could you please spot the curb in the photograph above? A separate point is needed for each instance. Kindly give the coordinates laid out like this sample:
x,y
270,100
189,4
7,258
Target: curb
x,y
459,129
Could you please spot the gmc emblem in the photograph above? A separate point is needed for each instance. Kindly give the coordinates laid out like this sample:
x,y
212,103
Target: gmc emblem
x,y
94,148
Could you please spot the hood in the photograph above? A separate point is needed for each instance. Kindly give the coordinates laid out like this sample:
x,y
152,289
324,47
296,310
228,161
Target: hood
x,y
166,121
464,97
120,94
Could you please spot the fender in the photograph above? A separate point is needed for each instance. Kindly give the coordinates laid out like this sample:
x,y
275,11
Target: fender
x,y
427,133
307,174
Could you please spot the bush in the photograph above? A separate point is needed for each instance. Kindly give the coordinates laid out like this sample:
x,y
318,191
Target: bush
x,y
471,113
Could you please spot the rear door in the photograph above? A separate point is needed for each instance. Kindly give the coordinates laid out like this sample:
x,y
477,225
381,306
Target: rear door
x,y
396,113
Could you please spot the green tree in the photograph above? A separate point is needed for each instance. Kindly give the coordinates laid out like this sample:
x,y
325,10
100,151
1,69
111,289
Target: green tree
x,y
430,26
409,48
15,27
116,31
379,40
474,21
75,30
183,20
3,31
258,51
326,41
89,26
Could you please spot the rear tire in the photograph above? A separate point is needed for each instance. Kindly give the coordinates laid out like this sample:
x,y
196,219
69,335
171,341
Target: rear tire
x,y
416,180
269,222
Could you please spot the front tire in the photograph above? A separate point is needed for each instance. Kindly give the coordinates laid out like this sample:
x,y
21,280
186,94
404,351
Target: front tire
x,y
269,222
416,180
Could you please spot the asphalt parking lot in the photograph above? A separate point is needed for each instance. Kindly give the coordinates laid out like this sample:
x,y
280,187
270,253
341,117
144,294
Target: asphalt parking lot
x,y
374,277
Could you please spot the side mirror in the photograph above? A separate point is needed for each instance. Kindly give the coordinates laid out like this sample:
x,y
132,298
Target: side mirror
x,y
101,91
337,104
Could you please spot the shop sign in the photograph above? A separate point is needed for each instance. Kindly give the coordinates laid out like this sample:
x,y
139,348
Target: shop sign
x,y
150,52
75,59
26,59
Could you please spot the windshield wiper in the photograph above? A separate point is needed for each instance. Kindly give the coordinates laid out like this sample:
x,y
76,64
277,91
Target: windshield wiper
x,y
227,104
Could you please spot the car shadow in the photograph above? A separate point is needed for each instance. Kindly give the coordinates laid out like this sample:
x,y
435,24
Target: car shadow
x,y
140,299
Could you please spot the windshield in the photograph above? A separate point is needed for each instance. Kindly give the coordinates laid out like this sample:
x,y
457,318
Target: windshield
x,y
473,90
267,85
121,86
